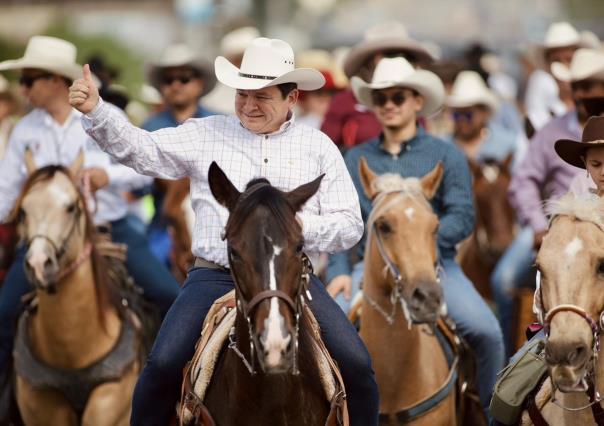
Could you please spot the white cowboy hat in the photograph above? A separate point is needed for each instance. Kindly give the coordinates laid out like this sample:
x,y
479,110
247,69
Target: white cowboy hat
x,y
235,42
386,36
469,89
561,34
266,62
49,54
3,84
398,72
180,55
586,63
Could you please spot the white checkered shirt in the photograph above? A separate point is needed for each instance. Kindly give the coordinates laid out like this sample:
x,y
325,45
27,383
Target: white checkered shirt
x,y
292,156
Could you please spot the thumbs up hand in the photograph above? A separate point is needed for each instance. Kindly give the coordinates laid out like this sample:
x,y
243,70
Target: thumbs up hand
x,y
83,93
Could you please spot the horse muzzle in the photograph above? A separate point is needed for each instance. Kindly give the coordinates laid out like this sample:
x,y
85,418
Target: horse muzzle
x,y
567,363
41,269
426,303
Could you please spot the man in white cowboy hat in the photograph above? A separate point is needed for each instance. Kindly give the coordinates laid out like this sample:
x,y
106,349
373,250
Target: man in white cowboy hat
x,y
347,122
398,94
543,98
262,140
182,78
542,175
54,134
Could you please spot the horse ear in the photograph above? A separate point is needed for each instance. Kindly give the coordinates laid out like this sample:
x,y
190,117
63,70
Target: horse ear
x,y
367,177
30,164
431,181
301,194
76,166
222,188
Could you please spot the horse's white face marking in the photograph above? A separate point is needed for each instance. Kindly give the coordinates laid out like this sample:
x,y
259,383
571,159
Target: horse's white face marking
x,y
409,212
277,337
574,247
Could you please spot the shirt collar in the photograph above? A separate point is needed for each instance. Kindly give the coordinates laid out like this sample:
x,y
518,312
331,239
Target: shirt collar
x,y
409,144
51,122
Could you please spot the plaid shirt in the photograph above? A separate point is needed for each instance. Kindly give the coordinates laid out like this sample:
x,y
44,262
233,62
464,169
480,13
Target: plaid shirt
x,y
293,155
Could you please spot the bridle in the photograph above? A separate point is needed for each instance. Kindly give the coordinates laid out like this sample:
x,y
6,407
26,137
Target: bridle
x,y
397,294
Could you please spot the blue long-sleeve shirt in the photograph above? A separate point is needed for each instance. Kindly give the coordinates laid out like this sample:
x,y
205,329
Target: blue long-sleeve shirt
x,y
453,202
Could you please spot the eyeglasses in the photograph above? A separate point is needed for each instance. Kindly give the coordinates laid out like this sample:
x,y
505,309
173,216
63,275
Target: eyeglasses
x,y
462,115
169,79
29,80
380,99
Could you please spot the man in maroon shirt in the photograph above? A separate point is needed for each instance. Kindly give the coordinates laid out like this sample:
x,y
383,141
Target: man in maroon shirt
x,y
347,122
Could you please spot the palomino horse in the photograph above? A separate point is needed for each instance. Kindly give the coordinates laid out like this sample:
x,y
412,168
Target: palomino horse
x,y
570,304
269,373
417,381
76,352
495,223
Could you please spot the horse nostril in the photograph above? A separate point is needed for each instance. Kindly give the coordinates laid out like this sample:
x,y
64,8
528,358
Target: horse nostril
x,y
578,355
573,354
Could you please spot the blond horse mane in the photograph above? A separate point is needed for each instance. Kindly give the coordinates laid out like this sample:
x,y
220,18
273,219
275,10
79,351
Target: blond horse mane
x,y
585,207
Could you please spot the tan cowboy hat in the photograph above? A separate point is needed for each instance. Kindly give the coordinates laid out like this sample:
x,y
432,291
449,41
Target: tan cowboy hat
x,y
469,89
266,62
398,72
235,42
49,54
586,63
561,34
573,152
386,36
181,55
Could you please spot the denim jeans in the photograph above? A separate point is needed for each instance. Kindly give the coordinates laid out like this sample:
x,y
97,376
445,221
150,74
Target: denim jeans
x,y
510,272
158,284
158,387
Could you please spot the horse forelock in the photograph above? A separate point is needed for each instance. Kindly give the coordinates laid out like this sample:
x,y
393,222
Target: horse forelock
x,y
586,208
392,182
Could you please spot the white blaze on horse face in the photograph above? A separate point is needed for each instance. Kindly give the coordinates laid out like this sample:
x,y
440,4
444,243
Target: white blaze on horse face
x,y
409,212
37,255
574,247
277,337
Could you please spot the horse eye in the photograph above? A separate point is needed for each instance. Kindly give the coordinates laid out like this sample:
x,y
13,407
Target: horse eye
x,y
601,267
384,227
71,208
234,255
299,248
20,215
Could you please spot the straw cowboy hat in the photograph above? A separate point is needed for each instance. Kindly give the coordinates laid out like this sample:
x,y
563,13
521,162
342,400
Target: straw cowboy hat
x,y
398,72
386,36
573,152
49,54
469,89
586,63
266,62
235,42
180,55
325,63
561,34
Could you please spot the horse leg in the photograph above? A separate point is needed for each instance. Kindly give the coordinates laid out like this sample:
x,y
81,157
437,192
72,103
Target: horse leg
x,y
110,404
43,407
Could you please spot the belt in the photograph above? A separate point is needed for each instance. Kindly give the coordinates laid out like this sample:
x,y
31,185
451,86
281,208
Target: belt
x,y
200,262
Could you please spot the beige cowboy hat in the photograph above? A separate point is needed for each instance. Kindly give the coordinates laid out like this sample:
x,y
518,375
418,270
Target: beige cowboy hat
x,y
469,89
266,62
561,34
586,63
573,152
386,36
235,42
49,54
398,72
180,55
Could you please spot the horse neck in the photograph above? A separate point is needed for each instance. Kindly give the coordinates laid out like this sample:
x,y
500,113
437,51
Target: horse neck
x,y
67,330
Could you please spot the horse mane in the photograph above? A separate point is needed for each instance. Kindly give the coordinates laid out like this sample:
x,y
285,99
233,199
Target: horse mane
x,y
585,207
393,182
106,294
262,195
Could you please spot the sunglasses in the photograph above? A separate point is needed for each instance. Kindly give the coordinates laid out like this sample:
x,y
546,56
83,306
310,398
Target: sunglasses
x,y
169,79
380,99
462,115
29,80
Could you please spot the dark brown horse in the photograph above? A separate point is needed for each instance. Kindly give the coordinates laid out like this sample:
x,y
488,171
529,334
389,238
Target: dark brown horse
x,y
269,374
495,223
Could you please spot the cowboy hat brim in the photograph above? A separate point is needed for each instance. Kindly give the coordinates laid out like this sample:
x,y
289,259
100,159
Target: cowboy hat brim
x,y
573,152
228,74
153,71
72,72
359,54
468,101
425,83
563,72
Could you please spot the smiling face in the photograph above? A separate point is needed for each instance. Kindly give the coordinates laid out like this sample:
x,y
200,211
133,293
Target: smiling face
x,y
396,107
180,86
264,110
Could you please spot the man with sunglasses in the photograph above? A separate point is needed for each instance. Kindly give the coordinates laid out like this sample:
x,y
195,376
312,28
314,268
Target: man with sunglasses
x,y
53,133
398,94
182,79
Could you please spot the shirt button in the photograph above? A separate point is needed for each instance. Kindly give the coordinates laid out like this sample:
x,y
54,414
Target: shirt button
x,y
266,160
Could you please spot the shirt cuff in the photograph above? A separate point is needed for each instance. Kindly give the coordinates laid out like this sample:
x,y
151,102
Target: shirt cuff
x,y
94,115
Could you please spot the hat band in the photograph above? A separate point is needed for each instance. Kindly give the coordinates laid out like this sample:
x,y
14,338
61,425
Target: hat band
x,y
257,77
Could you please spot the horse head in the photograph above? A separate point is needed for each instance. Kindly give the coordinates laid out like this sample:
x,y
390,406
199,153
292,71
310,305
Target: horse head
x,y
569,298
52,221
495,219
401,239
265,249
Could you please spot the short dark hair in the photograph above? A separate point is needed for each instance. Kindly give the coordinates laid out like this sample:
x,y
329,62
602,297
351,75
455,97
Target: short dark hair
x,y
286,88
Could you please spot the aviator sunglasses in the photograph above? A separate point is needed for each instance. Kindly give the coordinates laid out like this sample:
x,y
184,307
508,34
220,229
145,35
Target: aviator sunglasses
x,y
169,79
380,99
29,80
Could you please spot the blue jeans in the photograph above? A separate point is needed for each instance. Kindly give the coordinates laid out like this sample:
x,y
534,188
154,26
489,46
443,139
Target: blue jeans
x,y
510,272
158,284
158,387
